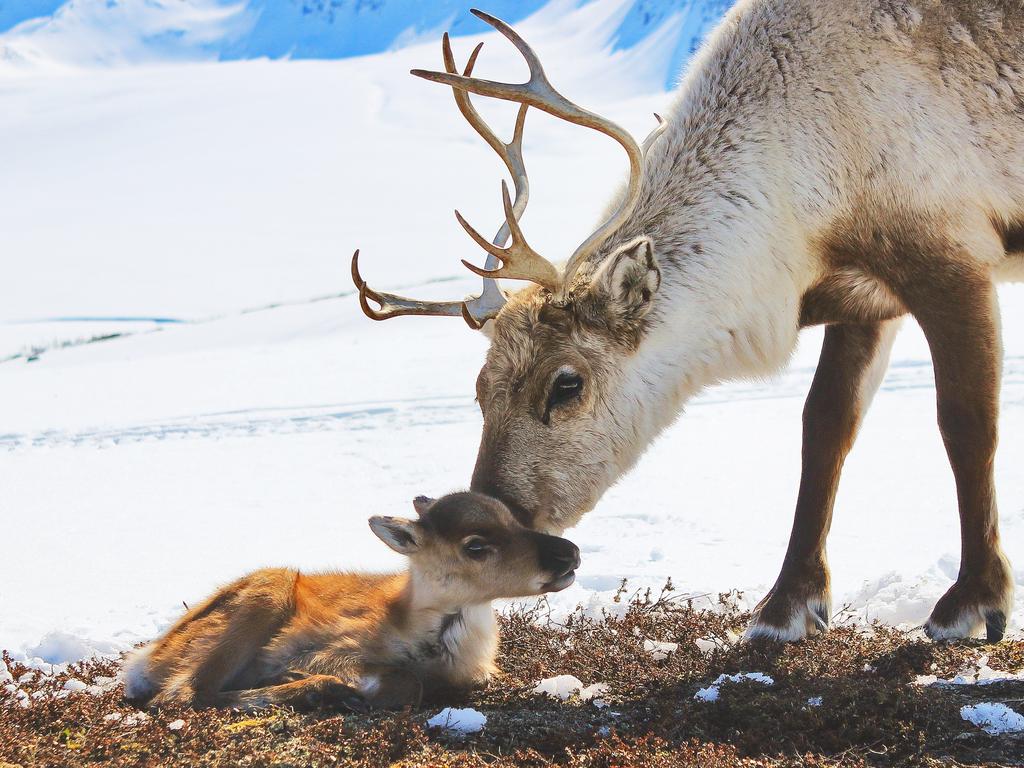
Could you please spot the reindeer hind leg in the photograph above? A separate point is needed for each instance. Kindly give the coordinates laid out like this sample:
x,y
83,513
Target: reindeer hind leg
x,y
216,650
958,311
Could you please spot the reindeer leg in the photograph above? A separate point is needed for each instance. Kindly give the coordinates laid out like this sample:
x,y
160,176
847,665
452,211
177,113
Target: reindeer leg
x,y
216,645
306,693
960,319
392,688
852,363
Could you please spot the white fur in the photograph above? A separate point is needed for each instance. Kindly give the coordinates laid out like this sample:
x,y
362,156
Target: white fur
x,y
802,623
968,624
473,641
802,128
839,120
135,674
879,364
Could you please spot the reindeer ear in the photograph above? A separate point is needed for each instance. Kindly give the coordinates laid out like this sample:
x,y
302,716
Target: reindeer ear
x,y
422,503
628,278
397,532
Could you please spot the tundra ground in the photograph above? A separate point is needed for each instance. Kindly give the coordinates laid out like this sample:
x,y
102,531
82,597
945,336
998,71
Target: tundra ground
x,y
848,698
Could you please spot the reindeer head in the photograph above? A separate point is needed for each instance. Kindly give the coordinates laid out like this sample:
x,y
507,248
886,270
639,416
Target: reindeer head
x,y
467,548
555,391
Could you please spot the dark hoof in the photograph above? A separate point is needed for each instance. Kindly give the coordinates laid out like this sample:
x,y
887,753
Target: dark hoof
x,y
821,617
995,626
339,695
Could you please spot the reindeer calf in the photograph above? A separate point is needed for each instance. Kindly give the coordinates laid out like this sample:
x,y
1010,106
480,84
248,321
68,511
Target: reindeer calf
x,y
281,637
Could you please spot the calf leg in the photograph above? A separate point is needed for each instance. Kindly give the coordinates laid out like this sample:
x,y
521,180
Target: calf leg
x,y
309,692
961,323
214,646
852,363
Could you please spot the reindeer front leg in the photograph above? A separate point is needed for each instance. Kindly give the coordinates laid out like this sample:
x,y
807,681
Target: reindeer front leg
x,y
852,363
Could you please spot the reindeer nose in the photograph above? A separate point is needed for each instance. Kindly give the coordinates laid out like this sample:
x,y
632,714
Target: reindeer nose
x,y
559,556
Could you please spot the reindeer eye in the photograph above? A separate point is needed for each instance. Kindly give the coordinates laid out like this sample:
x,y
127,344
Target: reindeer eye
x,y
475,548
567,386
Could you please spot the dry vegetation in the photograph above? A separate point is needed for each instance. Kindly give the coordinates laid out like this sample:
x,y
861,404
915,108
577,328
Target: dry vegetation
x,y
870,713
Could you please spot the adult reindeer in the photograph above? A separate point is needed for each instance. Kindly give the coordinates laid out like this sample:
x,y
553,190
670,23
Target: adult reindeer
x,y
837,162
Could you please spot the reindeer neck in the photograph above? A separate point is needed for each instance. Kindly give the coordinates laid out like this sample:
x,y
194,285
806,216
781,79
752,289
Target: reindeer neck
x,y
456,639
732,275
725,234
423,607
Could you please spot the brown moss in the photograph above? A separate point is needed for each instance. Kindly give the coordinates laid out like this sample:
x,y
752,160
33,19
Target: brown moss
x,y
871,714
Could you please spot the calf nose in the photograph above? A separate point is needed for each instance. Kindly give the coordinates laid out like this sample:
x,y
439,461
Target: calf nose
x,y
559,556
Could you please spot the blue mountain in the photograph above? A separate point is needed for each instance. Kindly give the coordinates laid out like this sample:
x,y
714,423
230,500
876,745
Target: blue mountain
x,y
307,29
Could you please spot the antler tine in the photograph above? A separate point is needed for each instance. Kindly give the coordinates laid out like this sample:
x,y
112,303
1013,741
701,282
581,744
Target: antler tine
x,y
654,135
476,310
538,92
491,299
519,260
392,305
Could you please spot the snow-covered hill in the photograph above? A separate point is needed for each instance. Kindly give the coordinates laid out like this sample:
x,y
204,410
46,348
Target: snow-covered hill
x,y
244,413
100,32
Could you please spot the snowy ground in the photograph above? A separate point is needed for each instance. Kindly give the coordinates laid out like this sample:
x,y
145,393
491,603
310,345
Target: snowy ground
x,y
249,415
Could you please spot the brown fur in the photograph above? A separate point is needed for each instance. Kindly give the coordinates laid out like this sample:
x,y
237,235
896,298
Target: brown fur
x,y
832,415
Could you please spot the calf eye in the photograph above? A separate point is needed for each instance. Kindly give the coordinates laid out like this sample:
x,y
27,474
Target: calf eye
x,y
567,386
475,548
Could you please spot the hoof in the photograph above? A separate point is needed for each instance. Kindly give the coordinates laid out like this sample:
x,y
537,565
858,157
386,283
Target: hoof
x,y
336,694
967,607
788,620
326,692
995,626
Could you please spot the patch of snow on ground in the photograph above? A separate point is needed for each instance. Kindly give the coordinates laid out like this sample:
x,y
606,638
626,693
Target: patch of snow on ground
x,y
565,687
458,720
982,675
712,692
658,650
993,718
58,647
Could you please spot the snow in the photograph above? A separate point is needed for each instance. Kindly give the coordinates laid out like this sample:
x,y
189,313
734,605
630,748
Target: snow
x,y
565,687
55,35
983,674
658,650
458,720
815,701
248,415
993,718
176,725
712,692
61,648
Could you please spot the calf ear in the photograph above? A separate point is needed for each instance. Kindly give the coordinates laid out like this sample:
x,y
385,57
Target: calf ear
x,y
422,503
400,534
628,279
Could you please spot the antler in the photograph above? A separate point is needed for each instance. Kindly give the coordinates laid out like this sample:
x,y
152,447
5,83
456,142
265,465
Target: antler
x,y
519,260
478,309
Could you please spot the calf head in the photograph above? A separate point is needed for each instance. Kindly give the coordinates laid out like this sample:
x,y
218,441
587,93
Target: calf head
x,y
467,548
